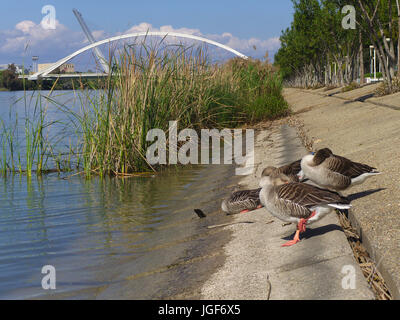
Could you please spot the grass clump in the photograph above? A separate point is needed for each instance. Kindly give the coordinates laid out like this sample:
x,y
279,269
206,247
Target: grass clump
x,y
352,86
384,89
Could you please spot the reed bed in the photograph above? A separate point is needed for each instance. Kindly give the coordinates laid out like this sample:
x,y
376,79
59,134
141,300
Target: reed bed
x,y
151,87
148,87
29,153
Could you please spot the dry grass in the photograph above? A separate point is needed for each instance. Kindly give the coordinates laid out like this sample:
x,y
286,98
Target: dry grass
x,y
350,87
366,263
383,89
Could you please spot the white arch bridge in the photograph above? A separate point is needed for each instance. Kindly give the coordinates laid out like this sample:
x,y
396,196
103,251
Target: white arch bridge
x,y
46,73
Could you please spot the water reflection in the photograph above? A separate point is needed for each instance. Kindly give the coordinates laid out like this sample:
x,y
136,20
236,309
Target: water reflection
x,y
90,227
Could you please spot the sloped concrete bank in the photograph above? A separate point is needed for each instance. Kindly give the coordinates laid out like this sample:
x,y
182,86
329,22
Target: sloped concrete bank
x,y
365,131
257,267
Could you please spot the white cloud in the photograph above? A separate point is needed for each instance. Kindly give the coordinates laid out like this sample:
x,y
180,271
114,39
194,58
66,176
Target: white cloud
x,y
144,26
252,47
25,26
61,41
39,40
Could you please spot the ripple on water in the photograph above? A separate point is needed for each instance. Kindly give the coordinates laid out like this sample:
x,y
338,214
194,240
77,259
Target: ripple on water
x,y
99,233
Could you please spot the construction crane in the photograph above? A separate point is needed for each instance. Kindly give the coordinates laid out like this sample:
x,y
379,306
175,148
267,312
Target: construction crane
x,y
91,39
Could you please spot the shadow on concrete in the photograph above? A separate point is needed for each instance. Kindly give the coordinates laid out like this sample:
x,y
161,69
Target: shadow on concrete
x,y
363,98
309,233
363,194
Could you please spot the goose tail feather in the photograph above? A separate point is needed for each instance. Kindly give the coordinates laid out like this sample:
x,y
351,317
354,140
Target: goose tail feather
x,y
340,206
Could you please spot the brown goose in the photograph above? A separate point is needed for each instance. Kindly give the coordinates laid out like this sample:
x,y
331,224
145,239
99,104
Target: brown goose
x,y
242,201
248,200
334,172
292,171
299,203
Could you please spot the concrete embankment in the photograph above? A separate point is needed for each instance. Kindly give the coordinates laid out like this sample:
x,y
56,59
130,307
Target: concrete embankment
x,y
257,267
366,129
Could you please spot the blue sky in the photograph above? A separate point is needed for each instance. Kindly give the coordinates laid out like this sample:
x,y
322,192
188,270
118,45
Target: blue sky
x,y
239,24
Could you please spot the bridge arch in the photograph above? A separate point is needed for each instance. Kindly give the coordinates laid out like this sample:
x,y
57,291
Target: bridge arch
x,y
60,62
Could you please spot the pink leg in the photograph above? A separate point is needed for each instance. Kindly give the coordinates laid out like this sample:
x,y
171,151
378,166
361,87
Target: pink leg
x,y
294,241
301,227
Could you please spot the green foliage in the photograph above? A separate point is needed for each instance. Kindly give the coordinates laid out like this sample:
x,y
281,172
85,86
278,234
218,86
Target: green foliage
x,y
316,40
371,75
9,79
301,43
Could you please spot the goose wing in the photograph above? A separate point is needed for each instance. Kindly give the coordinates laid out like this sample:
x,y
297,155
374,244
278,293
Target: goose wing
x,y
347,167
251,197
295,166
290,169
300,197
355,169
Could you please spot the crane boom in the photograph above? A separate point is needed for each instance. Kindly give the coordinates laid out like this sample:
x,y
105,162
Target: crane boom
x,y
91,39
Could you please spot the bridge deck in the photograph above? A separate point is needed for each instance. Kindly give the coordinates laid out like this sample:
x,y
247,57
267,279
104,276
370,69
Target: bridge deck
x,y
65,75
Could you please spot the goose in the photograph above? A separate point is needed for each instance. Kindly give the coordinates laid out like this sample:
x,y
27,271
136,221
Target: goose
x,y
248,200
242,201
292,171
334,172
298,203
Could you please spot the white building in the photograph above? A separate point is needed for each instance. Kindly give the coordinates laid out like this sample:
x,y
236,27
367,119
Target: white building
x,y
65,68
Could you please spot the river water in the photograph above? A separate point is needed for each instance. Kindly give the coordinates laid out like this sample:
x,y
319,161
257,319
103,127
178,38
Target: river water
x,y
111,238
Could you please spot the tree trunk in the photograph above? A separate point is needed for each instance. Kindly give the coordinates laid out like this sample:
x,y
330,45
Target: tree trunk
x,y
362,75
340,73
381,48
398,40
391,55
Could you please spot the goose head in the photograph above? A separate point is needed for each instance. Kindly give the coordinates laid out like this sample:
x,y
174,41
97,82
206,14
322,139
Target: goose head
x,y
321,155
274,180
275,172
314,159
268,171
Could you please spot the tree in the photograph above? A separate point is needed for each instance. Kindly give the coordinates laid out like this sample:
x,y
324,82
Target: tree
x,y
398,38
317,50
10,78
316,44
